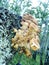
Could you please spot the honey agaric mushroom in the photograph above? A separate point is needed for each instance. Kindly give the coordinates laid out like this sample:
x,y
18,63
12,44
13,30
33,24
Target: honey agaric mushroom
x,y
27,37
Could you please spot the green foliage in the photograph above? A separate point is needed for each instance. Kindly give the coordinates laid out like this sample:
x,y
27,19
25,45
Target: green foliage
x,y
24,60
4,3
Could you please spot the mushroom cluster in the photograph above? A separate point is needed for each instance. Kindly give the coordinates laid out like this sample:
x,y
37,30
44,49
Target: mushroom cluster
x,y
27,37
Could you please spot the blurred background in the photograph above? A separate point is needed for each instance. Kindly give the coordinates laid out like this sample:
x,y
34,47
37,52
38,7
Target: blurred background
x,y
40,10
